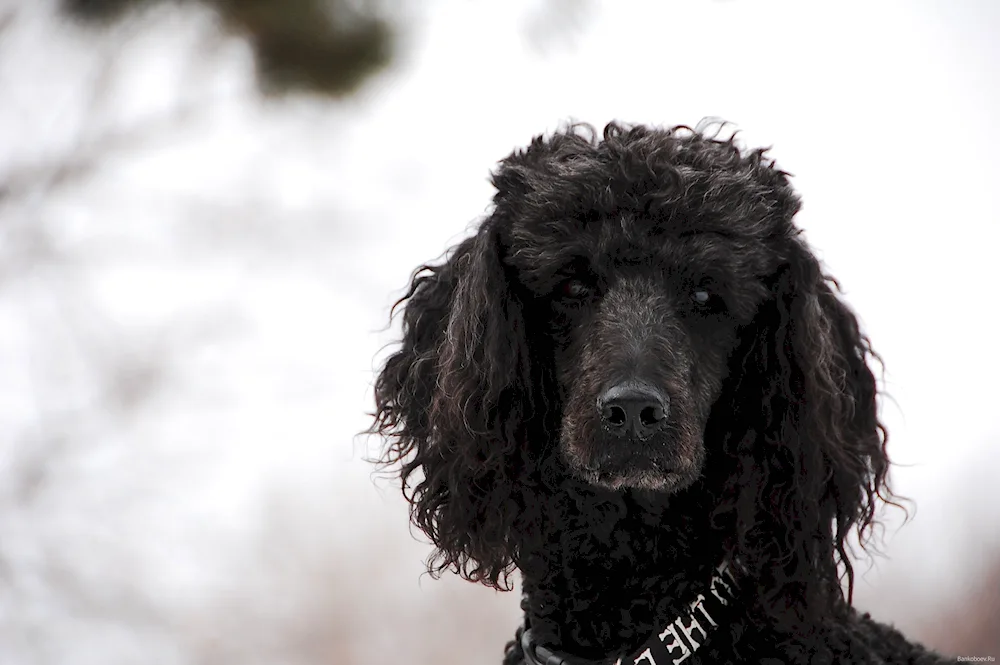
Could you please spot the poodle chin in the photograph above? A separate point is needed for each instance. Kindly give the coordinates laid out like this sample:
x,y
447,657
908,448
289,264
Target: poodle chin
x,y
638,472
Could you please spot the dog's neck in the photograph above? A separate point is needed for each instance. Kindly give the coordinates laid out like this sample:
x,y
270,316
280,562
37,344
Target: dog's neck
x,y
611,567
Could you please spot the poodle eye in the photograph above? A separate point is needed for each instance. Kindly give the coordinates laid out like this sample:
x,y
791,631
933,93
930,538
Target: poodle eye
x,y
701,296
707,301
574,288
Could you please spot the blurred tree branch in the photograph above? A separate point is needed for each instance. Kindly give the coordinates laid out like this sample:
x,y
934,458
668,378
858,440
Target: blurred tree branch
x,y
325,46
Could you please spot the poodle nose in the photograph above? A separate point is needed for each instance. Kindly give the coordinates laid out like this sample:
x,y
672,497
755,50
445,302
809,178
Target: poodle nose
x,y
633,408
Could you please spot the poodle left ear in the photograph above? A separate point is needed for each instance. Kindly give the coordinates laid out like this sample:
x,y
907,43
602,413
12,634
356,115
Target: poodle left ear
x,y
453,402
813,463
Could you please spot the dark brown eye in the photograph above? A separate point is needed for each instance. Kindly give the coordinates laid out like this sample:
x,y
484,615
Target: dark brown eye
x,y
574,288
707,301
701,296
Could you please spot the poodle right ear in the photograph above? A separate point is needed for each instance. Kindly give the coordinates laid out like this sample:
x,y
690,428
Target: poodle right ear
x,y
453,401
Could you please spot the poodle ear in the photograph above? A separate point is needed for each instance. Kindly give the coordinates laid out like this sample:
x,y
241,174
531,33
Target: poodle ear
x,y
813,462
453,401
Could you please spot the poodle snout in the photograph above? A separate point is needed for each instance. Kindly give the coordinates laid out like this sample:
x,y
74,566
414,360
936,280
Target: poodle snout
x,y
633,409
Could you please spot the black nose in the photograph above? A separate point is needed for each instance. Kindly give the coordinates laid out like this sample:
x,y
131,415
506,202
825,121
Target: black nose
x,y
633,408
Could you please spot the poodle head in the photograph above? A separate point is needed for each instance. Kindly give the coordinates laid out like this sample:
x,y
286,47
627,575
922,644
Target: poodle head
x,y
642,257
638,312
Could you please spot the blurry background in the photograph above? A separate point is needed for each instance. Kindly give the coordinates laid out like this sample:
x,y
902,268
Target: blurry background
x,y
206,209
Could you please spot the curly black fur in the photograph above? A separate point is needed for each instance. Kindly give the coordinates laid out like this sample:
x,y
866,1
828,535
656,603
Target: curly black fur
x,y
665,259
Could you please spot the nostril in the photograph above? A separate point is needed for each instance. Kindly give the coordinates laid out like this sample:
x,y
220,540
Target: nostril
x,y
615,415
651,415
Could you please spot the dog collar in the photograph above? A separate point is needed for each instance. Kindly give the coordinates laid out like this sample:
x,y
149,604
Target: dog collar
x,y
677,641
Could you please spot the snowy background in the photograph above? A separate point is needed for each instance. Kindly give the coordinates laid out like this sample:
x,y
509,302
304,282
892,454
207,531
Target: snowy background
x,y
195,282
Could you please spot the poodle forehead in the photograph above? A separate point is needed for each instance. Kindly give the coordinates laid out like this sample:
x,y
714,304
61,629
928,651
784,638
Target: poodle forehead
x,y
641,197
610,246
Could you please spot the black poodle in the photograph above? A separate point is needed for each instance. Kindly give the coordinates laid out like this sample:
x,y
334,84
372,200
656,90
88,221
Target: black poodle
x,y
635,385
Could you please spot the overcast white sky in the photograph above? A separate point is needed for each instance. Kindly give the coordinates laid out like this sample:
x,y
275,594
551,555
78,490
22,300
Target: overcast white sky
x,y
228,263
